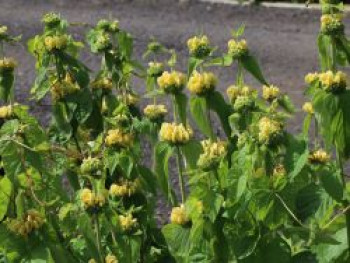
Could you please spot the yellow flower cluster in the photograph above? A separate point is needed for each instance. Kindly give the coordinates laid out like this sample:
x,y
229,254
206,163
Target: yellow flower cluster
x,y
201,83
90,199
333,81
155,112
51,19
311,77
60,89
155,69
319,156
212,153
270,92
237,49
125,188
117,137
6,112
7,64
111,259
103,83
175,133
268,128
31,221
233,92
199,46
172,82
127,222
56,42
308,108
332,24
178,215
129,99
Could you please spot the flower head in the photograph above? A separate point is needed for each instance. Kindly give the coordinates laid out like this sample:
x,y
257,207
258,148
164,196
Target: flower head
x,y
118,137
199,46
3,32
175,133
124,188
270,92
91,165
6,112
333,82
201,83
243,102
127,222
58,42
268,129
172,82
308,108
91,199
237,49
110,258
319,157
155,112
102,83
51,20
213,152
155,69
179,216
60,89
31,220
233,92
311,77
332,24
7,64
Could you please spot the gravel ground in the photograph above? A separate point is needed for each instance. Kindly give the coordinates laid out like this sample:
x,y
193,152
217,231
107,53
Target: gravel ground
x,y
284,40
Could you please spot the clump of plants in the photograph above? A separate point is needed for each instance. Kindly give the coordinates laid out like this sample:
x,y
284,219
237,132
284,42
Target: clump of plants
x,y
78,190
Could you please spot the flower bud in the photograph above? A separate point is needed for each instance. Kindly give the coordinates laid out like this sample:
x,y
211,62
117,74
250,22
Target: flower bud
x,y
308,108
155,112
270,92
237,49
119,138
319,157
127,222
155,69
179,216
199,46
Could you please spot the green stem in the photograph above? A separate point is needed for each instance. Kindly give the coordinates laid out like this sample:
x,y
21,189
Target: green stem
x,y
334,55
207,110
2,53
98,237
180,172
175,108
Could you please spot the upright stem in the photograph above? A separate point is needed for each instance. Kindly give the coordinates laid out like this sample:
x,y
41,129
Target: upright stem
x,y
180,172
98,237
207,110
175,108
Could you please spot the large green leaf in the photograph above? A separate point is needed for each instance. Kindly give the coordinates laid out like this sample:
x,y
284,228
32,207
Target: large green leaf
x,y
332,183
198,107
177,238
252,66
5,196
6,85
181,107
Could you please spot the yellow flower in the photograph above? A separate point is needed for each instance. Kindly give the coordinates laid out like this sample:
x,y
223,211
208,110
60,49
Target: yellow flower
x,y
111,259
127,222
91,199
212,153
201,83
178,215
3,31
233,92
92,261
124,188
267,129
103,83
172,82
279,170
332,24
130,99
308,108
60,89
175,133
51,19
237,49
333,82
155,112
198,46
319,156
6,112
7,64
270,92
311,77
30,221
117,137
90,165
56,42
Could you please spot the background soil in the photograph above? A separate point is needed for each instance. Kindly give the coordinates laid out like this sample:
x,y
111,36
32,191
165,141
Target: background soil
x,y
284,40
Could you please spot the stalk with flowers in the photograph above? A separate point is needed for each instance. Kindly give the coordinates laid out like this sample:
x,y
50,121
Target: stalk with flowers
x,y
77,189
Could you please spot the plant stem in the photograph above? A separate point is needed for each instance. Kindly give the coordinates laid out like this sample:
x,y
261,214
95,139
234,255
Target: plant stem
x,y
207,110
175,108
180,172
289,210
98,237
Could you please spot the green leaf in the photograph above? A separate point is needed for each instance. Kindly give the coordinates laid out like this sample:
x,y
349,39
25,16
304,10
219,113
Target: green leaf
x,y
296,156
217,103
332,183
198,107
177,238
286,103
323,43
193,63
5,196
181,106
163,152
252,66
192,150
6,85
